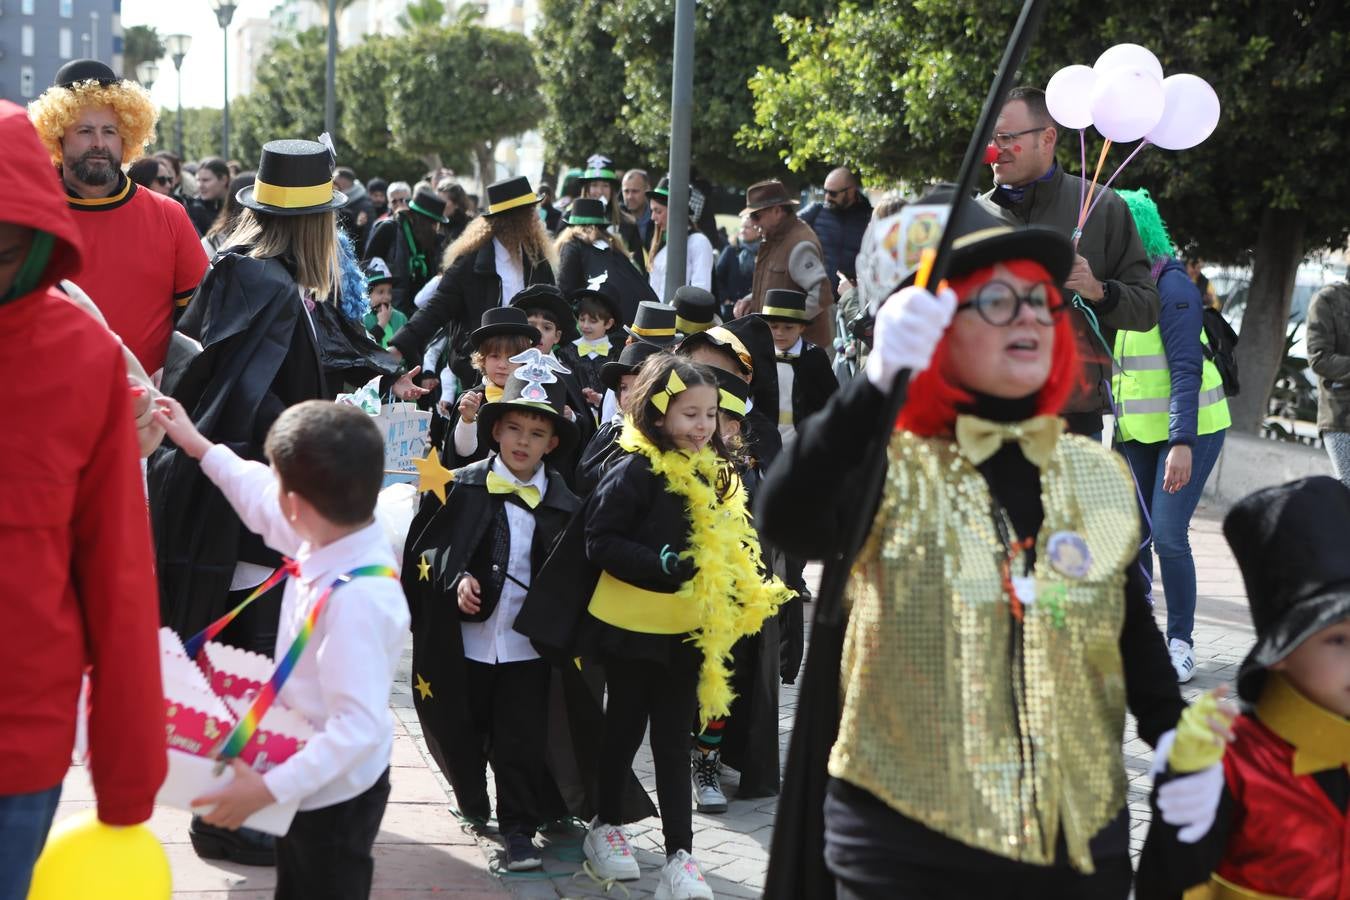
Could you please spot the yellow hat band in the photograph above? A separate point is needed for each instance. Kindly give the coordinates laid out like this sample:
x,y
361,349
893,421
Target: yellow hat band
x,y
292,197
687,327
783,312
652,332
730,402
522,200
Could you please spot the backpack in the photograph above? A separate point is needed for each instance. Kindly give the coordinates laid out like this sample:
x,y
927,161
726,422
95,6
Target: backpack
x,y
1221,349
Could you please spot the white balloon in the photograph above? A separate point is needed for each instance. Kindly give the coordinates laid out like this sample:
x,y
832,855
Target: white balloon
x,y
1190,114
1069,96
1126,104
1131,55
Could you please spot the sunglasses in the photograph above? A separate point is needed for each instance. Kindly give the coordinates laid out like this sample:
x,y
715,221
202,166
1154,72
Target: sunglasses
x,y
830,193
999,304
163,180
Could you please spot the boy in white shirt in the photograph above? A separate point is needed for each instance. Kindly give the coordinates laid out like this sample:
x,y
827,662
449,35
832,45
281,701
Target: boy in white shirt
x,y
316,504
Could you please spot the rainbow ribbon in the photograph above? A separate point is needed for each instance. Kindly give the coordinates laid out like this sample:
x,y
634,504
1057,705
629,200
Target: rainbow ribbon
x,y
193,646
238,738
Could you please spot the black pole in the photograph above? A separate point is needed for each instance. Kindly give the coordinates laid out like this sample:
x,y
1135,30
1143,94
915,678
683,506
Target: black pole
x,y
330,77
796,863
225,111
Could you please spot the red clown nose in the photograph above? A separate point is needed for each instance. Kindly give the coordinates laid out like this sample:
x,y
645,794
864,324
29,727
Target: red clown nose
x,y
990,154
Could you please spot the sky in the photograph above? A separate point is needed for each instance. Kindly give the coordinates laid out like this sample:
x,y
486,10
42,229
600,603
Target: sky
x,y
202,75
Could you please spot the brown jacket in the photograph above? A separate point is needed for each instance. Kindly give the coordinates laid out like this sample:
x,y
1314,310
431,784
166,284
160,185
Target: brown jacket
x,y
783,262
1329,355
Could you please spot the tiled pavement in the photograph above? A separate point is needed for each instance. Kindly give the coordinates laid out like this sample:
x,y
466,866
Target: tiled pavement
x,y
424,852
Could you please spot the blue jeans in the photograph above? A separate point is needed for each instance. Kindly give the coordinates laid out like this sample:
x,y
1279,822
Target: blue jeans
x,y
25,820
1171,515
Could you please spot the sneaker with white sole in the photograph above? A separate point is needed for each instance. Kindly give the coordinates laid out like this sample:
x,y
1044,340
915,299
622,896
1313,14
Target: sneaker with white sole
x,y
521,853
1183,659
681,880
708,796
608,852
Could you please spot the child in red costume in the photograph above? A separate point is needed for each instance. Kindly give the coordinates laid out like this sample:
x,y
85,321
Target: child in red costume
x,y
1280,824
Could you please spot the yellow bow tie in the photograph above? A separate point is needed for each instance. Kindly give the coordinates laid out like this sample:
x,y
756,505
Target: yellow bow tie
x,y
491,392
528,493
980,439
600,347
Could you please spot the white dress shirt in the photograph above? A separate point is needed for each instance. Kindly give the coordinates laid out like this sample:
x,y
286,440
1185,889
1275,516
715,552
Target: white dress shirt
x,y
341,682
510,271
698,265
787,425
494,640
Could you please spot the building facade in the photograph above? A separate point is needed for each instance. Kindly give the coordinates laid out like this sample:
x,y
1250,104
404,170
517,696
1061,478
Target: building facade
x,y
37,37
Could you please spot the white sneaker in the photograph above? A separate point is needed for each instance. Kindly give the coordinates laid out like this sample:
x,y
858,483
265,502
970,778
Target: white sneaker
x,y
708,796
681,880
1183,659
609,853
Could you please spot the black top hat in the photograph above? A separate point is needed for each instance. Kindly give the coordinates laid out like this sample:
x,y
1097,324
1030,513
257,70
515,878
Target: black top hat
x,y
654,323
295,178
526,389
600,168
503,320
733,393
695,309
630,360
661,193
548,297
587,211
78,70
508,194
1289,542
764,194
610,303
785,305
377,271
427,202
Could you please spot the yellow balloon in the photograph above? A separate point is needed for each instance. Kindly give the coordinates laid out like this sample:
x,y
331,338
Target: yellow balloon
x,y
85,859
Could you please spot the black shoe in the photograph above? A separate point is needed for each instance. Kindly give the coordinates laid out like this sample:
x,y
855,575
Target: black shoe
x,y
245,846
521,853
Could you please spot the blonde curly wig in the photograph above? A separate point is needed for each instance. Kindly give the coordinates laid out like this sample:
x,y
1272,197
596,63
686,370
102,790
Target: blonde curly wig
x,y
58,107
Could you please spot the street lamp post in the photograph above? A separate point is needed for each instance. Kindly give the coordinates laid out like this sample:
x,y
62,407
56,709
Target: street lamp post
x,y
177,45
224,13
146,73
681,116
330,89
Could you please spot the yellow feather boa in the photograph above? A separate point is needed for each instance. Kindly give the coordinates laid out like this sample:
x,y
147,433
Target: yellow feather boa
x,y
733,597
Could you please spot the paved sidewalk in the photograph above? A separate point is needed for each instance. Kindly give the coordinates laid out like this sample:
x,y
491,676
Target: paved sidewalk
x,y
424,852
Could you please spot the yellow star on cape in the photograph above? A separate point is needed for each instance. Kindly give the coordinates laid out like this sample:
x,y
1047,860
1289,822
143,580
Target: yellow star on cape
x,y
432,476
423,569
423,687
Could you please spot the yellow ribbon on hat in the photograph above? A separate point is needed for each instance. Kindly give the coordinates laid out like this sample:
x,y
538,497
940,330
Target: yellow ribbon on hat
x,y
674,385
979,439
496,484
299,197
730,402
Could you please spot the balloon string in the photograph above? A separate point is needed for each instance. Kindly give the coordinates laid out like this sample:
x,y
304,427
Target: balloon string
x,y
1082,170
1133,154
1101,160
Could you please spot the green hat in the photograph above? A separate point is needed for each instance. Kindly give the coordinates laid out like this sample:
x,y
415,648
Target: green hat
x,y
587,211
598,168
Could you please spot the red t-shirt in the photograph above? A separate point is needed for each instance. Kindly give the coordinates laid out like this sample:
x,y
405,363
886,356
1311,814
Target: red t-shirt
x,y
142,261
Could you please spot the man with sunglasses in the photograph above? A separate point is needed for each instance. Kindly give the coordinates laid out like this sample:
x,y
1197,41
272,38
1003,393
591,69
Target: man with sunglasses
x,y
1111,285
839,223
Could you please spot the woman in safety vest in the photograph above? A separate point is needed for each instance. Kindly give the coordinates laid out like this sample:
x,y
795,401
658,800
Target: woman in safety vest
x,y
1171,417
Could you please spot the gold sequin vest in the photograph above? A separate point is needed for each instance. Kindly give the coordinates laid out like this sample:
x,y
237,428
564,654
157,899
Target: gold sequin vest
x,y
996,734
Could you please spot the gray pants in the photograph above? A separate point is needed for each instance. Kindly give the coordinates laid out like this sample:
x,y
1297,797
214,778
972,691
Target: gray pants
x,y
1338,448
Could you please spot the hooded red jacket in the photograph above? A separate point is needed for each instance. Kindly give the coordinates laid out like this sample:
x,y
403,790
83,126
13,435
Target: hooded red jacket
x,y
77,587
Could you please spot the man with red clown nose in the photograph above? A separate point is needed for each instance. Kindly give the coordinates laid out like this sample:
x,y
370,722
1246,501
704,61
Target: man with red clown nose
x,y
142,258
997,625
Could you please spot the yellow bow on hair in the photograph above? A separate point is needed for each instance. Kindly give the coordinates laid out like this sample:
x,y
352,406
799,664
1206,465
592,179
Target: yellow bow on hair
x,y
496,484
979,439
674,386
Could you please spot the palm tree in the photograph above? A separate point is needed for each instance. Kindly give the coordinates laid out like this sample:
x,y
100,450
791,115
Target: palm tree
x,y
421,14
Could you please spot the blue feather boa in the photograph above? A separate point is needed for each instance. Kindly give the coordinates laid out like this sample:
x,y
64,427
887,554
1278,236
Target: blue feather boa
x,y
353,297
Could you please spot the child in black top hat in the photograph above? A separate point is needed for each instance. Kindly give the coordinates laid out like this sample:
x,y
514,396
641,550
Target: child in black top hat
x,y
597,316
1273,814
480,689
695,310
805,377
617,377
505,332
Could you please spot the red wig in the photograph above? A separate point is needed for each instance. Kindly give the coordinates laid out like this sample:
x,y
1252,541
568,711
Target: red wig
x,y
931,406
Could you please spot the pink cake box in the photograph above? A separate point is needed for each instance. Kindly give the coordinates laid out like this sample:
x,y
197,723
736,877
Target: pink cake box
x,y
197,720
233,672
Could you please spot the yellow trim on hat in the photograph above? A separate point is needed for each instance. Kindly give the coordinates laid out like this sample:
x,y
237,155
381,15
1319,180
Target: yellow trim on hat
x,y
651,332
975,237
730,402
783,312
685,326
522,200
292,197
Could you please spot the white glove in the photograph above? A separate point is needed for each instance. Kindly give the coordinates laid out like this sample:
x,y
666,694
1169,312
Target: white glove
x,y
908,328
1190,802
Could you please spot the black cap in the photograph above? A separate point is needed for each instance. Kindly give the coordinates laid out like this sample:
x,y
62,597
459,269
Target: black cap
x,y
548,297
427,202
78,70
610,303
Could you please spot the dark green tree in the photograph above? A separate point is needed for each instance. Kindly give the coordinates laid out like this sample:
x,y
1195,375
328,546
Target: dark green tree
x,y
139,43
895,87
201,133
422,14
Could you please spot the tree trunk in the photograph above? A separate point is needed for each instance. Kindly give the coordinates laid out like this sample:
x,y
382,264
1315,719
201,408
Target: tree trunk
x,y
485,156
1279,248
431,160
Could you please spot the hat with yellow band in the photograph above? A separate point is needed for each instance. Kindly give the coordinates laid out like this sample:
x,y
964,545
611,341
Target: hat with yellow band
x,y
654,323
695,310
784,305
733,394
508,194
295,178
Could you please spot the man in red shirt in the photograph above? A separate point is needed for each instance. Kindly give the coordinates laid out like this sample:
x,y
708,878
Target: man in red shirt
x,y
77,588
142,256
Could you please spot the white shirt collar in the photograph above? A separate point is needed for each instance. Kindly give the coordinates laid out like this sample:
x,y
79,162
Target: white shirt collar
x,y
539,479
794,350
331,560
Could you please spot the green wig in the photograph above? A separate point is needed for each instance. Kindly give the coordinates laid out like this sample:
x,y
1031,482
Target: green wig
x,y
1152,229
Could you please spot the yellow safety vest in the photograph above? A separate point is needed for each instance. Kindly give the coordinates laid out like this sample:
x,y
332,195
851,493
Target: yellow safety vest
x,y
1142,385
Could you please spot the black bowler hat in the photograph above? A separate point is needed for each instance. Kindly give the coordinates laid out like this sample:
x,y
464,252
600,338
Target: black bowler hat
x,y
508,194
587,211
526,391
654,323
78,70
784,305
1289,542
733,393
547,297
695,309
630,360
609,303
428,203
503,320
295,178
